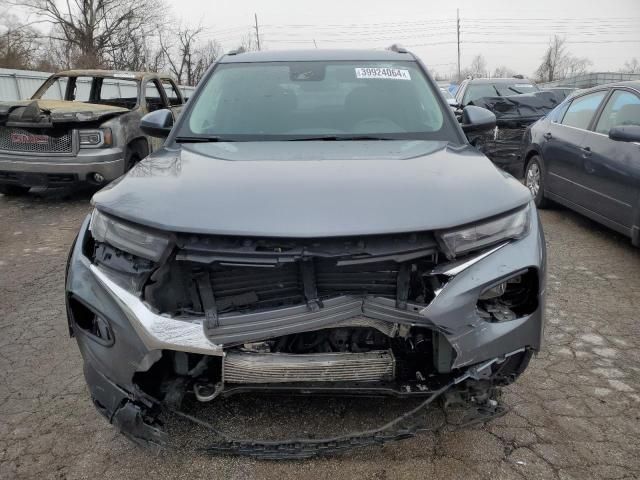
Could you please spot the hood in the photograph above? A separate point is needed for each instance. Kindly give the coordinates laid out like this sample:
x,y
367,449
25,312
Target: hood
x,y
46,112
312,189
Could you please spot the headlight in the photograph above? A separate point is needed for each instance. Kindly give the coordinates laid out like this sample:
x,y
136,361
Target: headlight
x,y
95,138
512,226
136,240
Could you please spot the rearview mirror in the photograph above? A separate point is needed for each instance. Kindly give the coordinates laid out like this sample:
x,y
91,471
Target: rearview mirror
x,y
157,124
626,133
475,119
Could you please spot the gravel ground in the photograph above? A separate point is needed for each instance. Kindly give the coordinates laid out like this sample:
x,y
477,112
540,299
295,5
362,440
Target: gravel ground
x,y
575,413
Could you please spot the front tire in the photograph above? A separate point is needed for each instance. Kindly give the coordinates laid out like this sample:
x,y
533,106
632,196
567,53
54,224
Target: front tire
x,y
131,160
534,180
13,190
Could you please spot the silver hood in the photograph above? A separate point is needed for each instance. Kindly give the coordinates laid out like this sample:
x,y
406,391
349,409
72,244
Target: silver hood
x,y
312,189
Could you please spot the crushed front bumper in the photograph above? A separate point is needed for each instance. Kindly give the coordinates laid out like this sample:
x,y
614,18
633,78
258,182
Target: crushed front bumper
x,y
42,171
139,335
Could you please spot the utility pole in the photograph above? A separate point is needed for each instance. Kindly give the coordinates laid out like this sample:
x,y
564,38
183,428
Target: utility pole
x,y
257,31
458,28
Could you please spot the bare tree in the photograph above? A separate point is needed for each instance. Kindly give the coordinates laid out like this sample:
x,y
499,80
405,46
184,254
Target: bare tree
x,y
206,55
248,43
503,72
557,63
96,27
19,44
631,66
478,68
188,54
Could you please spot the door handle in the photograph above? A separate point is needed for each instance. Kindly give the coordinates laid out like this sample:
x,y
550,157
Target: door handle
x,y
548,136
586,151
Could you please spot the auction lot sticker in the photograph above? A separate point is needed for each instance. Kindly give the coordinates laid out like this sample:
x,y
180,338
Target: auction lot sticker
x,y
379,72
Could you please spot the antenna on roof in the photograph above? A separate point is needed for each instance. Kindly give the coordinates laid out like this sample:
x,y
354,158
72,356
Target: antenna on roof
x,y
398,48
237,51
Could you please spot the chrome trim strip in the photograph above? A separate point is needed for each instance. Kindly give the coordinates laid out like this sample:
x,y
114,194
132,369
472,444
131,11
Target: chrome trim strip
x,y
156,331
454,268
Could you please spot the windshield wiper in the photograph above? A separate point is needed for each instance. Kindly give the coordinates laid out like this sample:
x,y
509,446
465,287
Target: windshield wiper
x,y
339,138
210,139
515,90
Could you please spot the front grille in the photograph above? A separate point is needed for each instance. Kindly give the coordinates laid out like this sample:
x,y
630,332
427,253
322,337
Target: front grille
x,y
373,279
35,141
260,287
270,287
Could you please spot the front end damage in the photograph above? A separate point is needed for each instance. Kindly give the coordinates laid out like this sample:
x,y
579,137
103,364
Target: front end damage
x,y
57,143
378,315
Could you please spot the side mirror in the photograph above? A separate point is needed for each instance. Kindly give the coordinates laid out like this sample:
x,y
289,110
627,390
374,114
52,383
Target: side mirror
x,y
627,133
157,124
475,119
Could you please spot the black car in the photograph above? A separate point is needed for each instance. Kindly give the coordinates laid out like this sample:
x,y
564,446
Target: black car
x,y
476,88
586,155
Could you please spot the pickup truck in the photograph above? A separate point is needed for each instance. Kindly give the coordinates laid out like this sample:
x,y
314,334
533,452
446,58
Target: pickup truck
x,y
91,136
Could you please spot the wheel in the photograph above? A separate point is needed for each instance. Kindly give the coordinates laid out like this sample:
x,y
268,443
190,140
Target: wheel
x,y
130,161
534,181
13,190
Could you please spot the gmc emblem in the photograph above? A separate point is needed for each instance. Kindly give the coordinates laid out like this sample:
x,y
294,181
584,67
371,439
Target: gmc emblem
x,y
28,138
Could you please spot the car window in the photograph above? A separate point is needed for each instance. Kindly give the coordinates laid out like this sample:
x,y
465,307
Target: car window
x,y
623,108
557,113
119,92
582,109
152,96
172,94
269,101
82,90
56,90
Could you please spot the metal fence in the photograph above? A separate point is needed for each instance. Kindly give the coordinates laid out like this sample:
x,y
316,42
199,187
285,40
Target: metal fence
x,y
589,80
22,84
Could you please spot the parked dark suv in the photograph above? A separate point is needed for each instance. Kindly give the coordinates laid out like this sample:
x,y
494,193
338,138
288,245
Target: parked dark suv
x,y
316,223
586,155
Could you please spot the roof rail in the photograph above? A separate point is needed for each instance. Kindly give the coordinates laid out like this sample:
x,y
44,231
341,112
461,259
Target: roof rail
x,y
398,48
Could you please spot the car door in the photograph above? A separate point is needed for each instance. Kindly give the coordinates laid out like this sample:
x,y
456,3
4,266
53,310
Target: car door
x,y
561,150
611,173
174,97
155,99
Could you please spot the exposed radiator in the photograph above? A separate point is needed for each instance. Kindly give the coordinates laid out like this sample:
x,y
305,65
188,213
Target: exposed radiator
x,y
250,367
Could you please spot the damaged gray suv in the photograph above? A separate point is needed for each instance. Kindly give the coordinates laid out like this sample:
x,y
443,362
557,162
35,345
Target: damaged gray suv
x,y
316,223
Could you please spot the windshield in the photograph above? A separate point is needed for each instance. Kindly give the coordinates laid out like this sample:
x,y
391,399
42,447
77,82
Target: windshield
x,y
498,89
339,100
116,91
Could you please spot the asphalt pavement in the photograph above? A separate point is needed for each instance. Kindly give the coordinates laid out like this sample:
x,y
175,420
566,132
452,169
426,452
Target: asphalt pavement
x,y
574,414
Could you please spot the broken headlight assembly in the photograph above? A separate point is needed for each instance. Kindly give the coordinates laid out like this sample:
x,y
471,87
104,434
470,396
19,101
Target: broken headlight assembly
x,y
512,226
97,138
127,253
510,299
133,239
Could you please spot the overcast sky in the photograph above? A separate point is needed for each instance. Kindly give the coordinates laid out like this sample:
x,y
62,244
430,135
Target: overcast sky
x,y
513,33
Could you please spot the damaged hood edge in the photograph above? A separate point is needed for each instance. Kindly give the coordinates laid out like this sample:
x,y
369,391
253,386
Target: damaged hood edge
x,y
57,111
